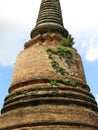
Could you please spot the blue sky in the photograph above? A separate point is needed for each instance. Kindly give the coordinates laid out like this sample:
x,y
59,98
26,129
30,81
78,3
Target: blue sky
x,y
18,17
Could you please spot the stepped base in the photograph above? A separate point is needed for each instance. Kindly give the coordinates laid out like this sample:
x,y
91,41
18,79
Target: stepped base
x,y
57,127
50,108
50,117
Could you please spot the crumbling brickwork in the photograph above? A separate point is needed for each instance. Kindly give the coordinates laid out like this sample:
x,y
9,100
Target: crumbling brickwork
x,y
49,89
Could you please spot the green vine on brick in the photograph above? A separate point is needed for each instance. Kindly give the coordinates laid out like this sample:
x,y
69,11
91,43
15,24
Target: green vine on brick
x,y
62,52
61,70
69,41
70,82
18,92
54,64
53,82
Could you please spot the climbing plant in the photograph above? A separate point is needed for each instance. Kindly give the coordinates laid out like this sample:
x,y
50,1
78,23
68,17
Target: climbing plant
x,y
54,63
63,53
69,41
70,82
53,82
18,92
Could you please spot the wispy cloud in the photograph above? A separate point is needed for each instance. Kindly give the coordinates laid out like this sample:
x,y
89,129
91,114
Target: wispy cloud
x,y
88,47
16,23
12,37
96,96
91,49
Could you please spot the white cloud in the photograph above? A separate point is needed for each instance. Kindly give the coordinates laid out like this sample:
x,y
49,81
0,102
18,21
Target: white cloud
x,y
12,37
17,18
96,96
92,54
88,46
84,44
21,11
92,51
80,13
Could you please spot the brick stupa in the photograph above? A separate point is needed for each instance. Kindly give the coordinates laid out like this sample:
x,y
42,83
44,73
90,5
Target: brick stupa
x,y
49,89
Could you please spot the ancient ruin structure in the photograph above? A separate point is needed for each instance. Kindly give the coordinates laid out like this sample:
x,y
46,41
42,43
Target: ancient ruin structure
x,y
49,89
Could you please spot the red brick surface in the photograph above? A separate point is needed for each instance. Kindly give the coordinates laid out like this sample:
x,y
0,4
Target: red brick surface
x,y
33,103
50,116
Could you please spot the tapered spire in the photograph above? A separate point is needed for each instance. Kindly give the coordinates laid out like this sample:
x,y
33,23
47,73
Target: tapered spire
x,y
50,12
49,18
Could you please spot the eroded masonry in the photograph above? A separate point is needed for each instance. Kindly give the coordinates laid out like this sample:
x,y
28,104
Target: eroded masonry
x,y
49,89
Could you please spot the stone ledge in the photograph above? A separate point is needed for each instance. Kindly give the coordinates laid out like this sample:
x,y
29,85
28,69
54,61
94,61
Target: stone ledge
x,y
37,101
50,114
51,38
